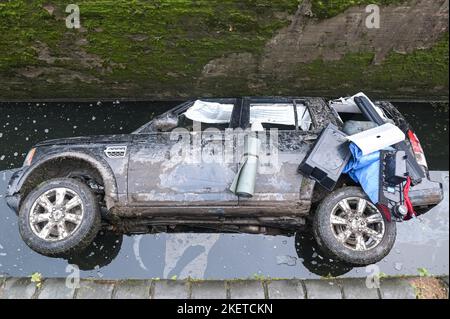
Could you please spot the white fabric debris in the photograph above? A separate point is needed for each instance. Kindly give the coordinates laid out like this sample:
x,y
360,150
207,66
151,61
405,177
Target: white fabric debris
x,y
209,112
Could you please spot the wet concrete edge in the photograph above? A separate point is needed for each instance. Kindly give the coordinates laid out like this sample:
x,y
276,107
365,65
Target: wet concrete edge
x,y
329,288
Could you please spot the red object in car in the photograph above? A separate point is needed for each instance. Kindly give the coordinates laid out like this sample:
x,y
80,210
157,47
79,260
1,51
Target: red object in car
x,y
385,210
409,206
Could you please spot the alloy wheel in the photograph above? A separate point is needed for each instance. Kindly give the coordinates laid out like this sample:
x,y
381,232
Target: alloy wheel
x,y
357,224
56,214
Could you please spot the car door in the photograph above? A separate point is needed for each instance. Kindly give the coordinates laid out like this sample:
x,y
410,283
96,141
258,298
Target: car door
x,y
279,187
180,168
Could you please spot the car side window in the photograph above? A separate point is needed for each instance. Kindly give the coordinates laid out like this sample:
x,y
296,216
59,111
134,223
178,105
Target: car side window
x,y
208,114
188,124
283,116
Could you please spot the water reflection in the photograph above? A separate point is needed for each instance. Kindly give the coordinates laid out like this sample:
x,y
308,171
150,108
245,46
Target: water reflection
x,y
103,250
24,124
187,254
311,257
423,242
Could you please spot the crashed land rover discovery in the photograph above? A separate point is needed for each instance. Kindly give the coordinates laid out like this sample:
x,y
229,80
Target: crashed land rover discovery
x,y
166,177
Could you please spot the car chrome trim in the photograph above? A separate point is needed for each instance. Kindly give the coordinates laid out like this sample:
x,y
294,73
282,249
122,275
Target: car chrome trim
x,y
116,151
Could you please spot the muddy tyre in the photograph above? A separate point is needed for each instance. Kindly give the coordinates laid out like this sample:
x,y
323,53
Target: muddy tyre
x,y
348,227
61,216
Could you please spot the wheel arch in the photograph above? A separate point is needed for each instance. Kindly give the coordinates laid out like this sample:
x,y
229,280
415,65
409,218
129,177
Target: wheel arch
x,y
33,176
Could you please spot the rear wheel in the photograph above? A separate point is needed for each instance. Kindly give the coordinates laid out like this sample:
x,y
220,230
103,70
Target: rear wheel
x,y
59,217
349,227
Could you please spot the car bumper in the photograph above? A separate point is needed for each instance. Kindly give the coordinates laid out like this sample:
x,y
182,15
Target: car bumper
x,y
426,195
13,202
12,195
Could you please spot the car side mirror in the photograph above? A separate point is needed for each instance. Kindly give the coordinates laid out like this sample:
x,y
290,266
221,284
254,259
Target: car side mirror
x,y
165,122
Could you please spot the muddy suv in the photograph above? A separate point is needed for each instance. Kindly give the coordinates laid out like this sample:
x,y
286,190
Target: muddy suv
x,y
68,189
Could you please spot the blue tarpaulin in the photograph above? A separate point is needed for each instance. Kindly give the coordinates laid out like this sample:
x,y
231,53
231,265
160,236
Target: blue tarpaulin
x,y
365,170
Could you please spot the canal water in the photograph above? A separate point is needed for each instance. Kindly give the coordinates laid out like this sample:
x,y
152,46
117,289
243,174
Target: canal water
x,y
421,243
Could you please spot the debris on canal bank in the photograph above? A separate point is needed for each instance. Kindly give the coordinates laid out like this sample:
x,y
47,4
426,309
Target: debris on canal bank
x,y
429,288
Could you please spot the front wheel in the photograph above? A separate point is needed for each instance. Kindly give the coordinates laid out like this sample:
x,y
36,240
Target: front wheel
x,y
349,227
60,216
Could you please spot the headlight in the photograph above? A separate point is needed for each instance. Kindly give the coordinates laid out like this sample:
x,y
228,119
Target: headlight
x,y
29,157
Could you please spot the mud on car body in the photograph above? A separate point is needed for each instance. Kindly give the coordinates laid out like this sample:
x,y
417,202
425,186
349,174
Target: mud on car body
x,y
68,189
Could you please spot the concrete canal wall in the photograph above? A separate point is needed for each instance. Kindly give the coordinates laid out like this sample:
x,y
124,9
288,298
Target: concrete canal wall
x,y
348,288
179,49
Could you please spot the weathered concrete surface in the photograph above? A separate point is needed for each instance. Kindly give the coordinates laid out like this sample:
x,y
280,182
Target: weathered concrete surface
x,y
18,288
397,289
285,289
345,288
132,289
323,289
331,39
214,289
315,54
90,289
357,289
180,49
171,289
247,289
54,288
